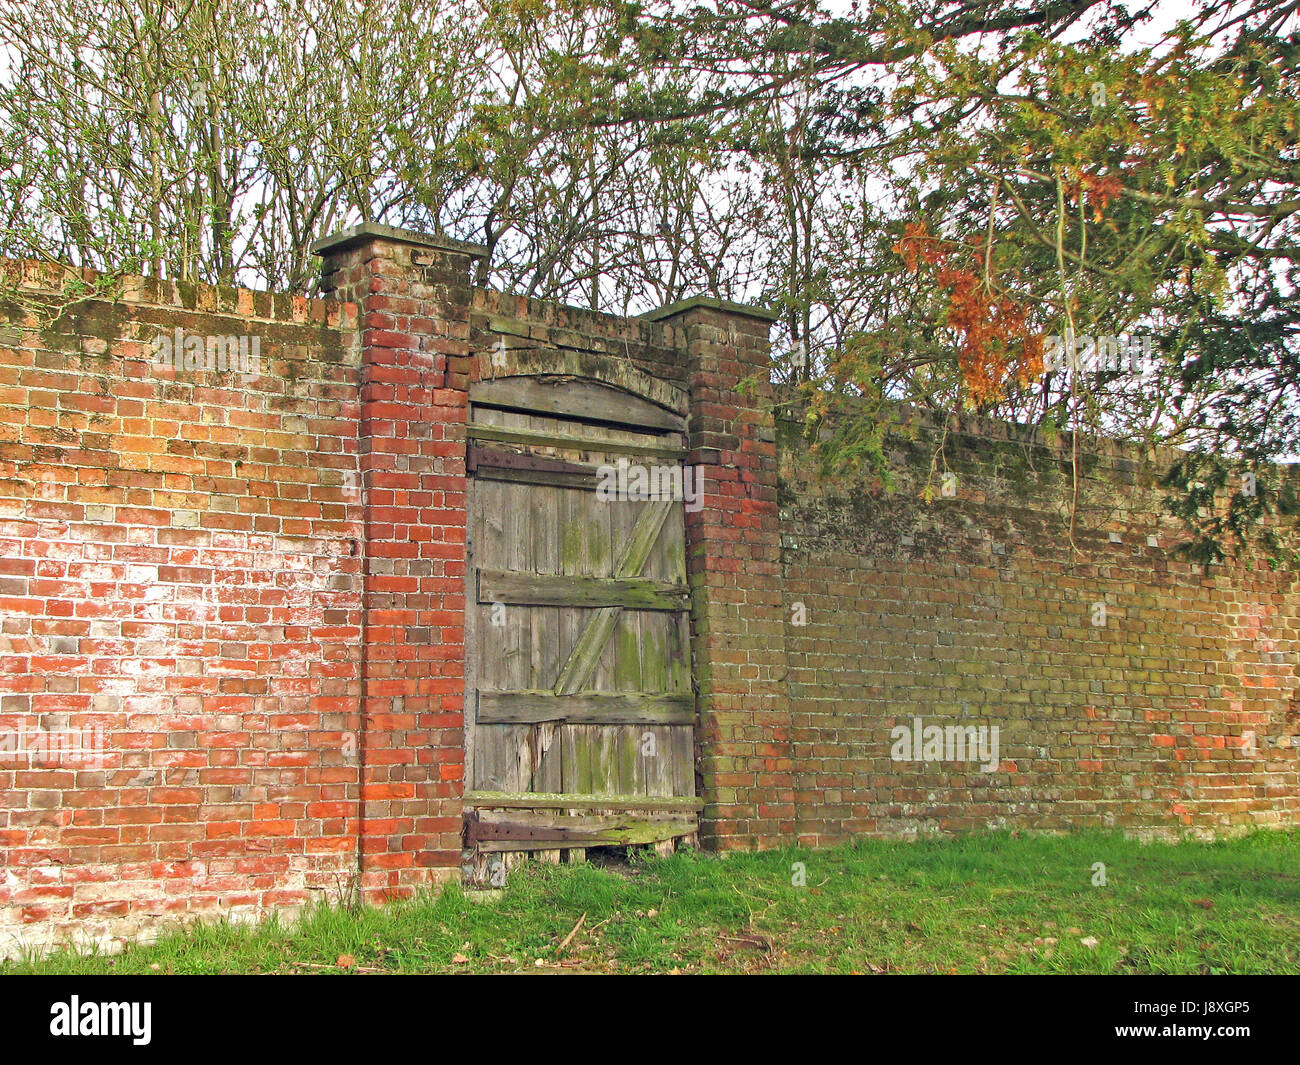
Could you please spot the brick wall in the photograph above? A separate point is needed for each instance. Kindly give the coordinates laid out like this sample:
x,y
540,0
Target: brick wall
x,y
973,610
248,593
180,574
733,565
412,295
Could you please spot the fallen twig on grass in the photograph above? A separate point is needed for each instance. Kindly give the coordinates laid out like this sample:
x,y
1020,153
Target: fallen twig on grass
x,y
569,938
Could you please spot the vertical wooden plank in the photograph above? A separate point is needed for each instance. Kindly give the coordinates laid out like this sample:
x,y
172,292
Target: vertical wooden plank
x,y
656,678
617,516
604,760
571,548
605,757
587,545
607,516
621,660
518,632
676,546
547,745
629,675
548,738
491,758
578,774
677,652
663,666
683,763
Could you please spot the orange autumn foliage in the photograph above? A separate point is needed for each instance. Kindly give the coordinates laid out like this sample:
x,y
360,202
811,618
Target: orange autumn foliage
x,y
994,340
1097,192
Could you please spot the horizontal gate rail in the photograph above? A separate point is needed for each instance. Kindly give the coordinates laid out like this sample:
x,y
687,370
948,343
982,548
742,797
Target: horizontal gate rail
x,y
548,589
536,438
586,708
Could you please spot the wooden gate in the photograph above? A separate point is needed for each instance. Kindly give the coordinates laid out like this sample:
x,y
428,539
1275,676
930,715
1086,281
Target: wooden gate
x,y
580,707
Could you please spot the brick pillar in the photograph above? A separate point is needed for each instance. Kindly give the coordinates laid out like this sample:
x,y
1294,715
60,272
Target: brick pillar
x,y
413,297
734,566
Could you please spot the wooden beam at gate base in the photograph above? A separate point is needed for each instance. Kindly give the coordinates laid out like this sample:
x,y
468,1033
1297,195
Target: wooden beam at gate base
x,y
517,830
585,708
611,839
539,589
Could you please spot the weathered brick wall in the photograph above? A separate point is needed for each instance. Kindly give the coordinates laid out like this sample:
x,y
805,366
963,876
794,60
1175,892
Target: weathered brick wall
x,y
250,592
412,294
733,565
973,610
180,570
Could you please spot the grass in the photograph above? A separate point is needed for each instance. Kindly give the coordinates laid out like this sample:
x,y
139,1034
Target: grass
x,y
996,903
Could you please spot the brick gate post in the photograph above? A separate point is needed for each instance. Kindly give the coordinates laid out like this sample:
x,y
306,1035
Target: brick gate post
x,y
413,297
734,567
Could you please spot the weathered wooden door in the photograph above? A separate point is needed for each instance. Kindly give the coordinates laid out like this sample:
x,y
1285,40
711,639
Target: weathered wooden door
x,y
580,704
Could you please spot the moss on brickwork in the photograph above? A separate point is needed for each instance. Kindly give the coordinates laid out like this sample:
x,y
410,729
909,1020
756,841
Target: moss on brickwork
x,y
1129,689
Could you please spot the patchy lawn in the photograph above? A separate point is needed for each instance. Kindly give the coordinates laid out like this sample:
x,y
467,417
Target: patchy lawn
x,y
998,903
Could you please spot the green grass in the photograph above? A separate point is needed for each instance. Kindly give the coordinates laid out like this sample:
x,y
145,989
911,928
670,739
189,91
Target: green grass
x,y
998,903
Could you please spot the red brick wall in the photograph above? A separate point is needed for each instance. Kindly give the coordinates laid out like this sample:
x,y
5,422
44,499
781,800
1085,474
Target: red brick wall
x,y
734,567
179,568
413,297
